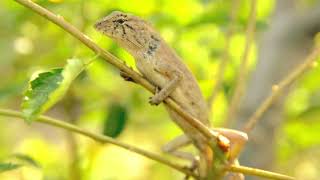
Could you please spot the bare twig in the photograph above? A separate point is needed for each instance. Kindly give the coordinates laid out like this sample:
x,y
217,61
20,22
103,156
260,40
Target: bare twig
x,y
225,56
58,20
100,138
243,70
258,172
153,156
277,89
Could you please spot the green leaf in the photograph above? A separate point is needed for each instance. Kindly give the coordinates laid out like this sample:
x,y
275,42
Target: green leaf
x,y
26,160
73,68
48,88
22,161
38,93
115,121
8,166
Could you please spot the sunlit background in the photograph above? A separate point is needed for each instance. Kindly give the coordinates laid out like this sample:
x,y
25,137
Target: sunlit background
x,y
196,29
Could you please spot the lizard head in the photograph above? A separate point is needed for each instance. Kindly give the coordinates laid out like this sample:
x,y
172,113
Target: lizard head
x,y
127,30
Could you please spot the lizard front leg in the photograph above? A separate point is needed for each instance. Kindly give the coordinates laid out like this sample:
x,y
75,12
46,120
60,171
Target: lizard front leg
x,y
175,77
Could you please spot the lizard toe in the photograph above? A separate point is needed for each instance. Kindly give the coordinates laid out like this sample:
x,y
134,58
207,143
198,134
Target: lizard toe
x,y
154,101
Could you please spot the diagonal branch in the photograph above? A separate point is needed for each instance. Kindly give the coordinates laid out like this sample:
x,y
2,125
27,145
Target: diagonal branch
x,y
105,139
277,89
58,20
243,70
100,138
225,57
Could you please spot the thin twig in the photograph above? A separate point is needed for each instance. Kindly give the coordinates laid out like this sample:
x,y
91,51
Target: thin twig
x,y
225,57
258,172
105,139
243,70
100,138
277,89
58,20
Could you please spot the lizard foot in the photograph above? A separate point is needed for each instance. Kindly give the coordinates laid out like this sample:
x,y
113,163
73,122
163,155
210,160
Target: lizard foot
x,y
126,76
155,100
193,167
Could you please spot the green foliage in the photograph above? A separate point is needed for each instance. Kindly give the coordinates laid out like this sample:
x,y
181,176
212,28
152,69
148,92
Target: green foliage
x,y
25,159
8,166
116,120
48,88
196,29
22,160
38,93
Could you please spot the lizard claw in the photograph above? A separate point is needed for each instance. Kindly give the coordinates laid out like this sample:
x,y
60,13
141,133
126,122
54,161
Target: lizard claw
x,y
154,100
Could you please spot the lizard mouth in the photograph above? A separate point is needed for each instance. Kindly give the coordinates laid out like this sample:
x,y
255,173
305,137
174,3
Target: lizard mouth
x,y
102,28
98,26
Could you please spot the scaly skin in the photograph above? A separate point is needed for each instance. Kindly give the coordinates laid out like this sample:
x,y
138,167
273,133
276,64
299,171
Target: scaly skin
x,y
150,51
159,63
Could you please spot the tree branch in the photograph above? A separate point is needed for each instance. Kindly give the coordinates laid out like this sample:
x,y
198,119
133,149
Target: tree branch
x,y
243,70
277,89
100,138
58,20
105,139
258,172
225,56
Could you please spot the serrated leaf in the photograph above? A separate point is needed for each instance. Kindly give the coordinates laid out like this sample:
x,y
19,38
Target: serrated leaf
x,y
115,121
48,88
38,93
73,68
8,166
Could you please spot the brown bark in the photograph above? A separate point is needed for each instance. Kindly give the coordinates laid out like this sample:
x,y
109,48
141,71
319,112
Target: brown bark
x,y
284,45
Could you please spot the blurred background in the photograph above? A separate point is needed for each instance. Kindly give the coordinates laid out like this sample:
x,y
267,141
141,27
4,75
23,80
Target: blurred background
x,y
286,140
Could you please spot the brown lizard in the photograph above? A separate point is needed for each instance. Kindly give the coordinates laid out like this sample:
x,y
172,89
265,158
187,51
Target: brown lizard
x,y
160,65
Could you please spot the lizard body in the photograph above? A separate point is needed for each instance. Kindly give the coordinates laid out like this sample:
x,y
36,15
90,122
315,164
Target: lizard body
x,y
162,67
158,63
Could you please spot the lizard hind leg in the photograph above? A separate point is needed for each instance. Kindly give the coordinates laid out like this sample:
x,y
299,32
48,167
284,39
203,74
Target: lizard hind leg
x,y
179,142
173,146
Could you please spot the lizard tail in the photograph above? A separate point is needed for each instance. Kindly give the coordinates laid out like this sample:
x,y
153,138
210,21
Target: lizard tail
x,y
205,161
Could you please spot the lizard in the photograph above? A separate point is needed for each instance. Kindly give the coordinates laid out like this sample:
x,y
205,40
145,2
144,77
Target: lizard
x,y
162,67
